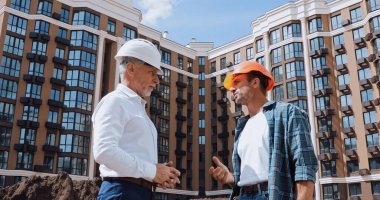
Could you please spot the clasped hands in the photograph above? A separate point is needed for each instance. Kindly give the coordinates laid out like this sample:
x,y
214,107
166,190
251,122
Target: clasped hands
x,y
166,175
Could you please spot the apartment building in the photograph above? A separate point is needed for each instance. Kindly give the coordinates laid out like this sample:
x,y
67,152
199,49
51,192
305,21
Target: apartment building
x,y
57,62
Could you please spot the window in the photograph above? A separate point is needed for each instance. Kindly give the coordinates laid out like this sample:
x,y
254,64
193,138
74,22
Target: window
x,y
33,91
324,124
165,91
60,53
75,166
39,48
21,5
82,59
129,33
78,99
180,63
375,23
190,66
316,43
84,39
8,89
364,73
376,44
163,126
369,117
296,89
24,160
249,52
74,143
13,45
275,36
3,160
6,113
366,95
64,15
277,74
62,33
48,161
201,107
326,146
294,69
292,30
165,57
278,93
361,53
276,56
315,25
53,116
343,79
30,113
201,91
336,22
165,108
318,63
86,18
302,103
259,45
111,26
356,14
372,139
166,76
358,33
213,67
28,136
350,143
42,27
10,66
260,60
202,139
372,6
36,69
17,24
201,123
201,61
76,121
345,100
375,187
293,50
341,59
322,103
44,7
50,139
328,168
338,39
321,83
201,76
5,135
352,166
374,163
330,191
348,121
355,189
237,58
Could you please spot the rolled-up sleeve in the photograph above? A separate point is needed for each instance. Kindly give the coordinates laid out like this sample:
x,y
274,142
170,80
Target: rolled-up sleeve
x,y
301,146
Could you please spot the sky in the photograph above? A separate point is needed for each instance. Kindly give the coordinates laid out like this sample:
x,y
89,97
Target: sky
x,y
217,21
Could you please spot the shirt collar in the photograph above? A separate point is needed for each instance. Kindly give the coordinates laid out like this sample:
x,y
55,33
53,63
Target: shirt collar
x,y
130,93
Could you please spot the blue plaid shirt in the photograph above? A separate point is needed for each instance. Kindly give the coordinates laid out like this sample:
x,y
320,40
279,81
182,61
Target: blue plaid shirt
x,y
291,152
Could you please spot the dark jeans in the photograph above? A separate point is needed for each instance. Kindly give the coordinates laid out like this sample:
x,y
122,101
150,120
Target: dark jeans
x,y
258,196
119,190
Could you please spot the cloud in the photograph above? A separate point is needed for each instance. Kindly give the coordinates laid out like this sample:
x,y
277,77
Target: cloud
x,y
154,10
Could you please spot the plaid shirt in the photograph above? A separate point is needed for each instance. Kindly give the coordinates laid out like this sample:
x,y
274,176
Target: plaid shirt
x,y
291,152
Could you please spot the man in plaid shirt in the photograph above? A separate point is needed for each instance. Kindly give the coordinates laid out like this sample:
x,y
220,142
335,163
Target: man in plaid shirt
x,y
273,156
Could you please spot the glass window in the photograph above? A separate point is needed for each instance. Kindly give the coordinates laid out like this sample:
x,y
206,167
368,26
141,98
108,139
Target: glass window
x,y
275,36
319,63
60,53
86,18
237,58
201,76
326,146
372,6
277,74
129,33
3,161
364,73
374,163
33,90
13,45
17,24
369,117
375,23
165,108
341,59
75,166
293,50
328,168
82,79
330,191
24,160
301,103
180,63
64,15
166,76
42,27
348,121
278,93
345,100
338,39
294,69
76,121
276,56
321,83
361,53
336,22
62,33
322,103
292,30
84,39
30,113
21,5
260,60
10,66
356,14
8,89
201,123
82,58
6,115
5,133
352,166
44,7
315,25
358,33
36,69
202,139
201,91
48,161
372,139
296,89
50,139
53,116
55,94
28,136
259,45
375,187
39,48
249,52
324,124
366,95
316,43
350,143
201,61
213,67
165,91
165,57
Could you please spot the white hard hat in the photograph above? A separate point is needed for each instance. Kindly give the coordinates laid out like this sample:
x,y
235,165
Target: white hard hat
x,y
142,50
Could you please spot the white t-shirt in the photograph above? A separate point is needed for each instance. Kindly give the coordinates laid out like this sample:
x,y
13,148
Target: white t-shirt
x,y
253,150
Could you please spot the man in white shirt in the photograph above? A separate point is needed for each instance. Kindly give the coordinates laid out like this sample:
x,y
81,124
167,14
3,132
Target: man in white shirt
x,y
125,139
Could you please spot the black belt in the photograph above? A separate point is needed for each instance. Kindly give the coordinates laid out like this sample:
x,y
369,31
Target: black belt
x,y
138,181
255,189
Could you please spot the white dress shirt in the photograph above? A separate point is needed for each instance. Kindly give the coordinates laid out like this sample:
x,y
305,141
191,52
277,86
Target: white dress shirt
x,y
253,150
125,139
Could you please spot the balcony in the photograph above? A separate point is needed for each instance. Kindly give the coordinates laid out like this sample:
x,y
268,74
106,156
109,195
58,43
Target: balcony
x,y
371,57
34,57
237,114
318,53
221,86
156,93
25,147
368,105
180,152
345,89
180,117
59,82
223,134
60,61
360,42
42,168
364,172
222,101
51,125
340,48
346,22
63,41
350,131
362,62
34,79
179,134
324,113
365,83
28,124
323,92
50,148
154,110
369,37
58,104
376,80
320,72
342,68
181,84
180,100
225,152
347,110
328,156
30,101
326,134
374,150
352,154
223,118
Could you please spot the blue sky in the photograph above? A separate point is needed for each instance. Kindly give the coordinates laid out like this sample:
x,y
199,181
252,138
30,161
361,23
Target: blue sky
x,y
218,21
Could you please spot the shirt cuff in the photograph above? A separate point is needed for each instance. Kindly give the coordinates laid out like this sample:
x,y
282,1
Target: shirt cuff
x,y
150,171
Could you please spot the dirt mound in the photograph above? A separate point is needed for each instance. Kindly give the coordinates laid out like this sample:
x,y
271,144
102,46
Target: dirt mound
x,y
60,187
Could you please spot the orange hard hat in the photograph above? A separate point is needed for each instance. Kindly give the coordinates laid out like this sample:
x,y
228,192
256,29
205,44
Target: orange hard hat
x,y
245,68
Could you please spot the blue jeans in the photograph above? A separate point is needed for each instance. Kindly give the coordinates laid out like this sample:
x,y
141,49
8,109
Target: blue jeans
x,y
119,190
259,196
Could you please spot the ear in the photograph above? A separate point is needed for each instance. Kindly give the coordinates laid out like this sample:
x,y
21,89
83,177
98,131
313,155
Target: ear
x,y
255,83
130,68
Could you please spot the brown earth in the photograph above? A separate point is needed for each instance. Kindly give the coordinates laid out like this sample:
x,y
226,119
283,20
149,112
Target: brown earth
x,y
60,187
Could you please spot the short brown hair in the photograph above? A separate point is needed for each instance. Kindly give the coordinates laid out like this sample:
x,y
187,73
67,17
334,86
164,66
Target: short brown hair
x,y
263,79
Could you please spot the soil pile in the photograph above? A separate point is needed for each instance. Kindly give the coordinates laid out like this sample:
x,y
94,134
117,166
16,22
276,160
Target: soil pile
x,y
60,187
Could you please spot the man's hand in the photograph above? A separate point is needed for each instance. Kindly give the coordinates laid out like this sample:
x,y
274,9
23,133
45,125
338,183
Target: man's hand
x,y
221,172
166,175
305,189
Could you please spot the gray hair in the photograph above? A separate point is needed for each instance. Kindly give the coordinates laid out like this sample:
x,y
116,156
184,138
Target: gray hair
x,y
123,65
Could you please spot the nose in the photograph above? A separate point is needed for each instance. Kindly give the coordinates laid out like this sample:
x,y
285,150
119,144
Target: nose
x,y
156,80
232,89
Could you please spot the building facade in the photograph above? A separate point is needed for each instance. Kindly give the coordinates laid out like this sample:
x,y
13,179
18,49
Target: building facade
x,y
57,63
